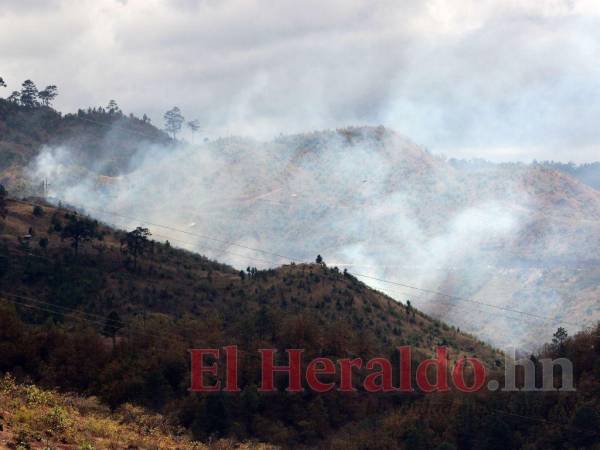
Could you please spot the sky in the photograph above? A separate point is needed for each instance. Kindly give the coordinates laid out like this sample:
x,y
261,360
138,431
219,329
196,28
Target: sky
x,y
495,79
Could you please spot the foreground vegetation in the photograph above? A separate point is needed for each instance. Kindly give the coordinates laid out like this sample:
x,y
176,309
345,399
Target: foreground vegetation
x,y
34,418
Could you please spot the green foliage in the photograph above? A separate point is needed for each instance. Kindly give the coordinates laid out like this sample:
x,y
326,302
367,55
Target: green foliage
x,y
58,420
48,95
38,397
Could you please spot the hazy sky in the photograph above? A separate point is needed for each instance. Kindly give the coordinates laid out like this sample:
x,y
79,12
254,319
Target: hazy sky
x,y
498,79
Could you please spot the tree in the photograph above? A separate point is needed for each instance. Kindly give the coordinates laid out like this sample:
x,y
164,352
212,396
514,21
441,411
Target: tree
x,y
38,211
15,97
194,126
559,338
48,95
2,82
136,242
112,325
173,121
319,259
113,108
3,195
29,94
79,230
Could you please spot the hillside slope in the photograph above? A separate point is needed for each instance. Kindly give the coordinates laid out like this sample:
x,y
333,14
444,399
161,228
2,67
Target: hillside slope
x,y
58,328
97,140
33,418
93,322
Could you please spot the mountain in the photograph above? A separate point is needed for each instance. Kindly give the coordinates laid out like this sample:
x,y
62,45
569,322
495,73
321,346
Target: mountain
x,y
97,320
516,236
520,237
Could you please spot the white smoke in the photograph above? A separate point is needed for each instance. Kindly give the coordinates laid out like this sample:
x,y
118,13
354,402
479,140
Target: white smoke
x,y
366,199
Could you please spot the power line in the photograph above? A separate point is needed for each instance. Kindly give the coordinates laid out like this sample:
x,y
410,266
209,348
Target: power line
x,y
292,259
66,309
464,299
385,291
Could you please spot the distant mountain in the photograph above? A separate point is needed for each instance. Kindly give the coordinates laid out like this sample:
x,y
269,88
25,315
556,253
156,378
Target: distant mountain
x,y
588,173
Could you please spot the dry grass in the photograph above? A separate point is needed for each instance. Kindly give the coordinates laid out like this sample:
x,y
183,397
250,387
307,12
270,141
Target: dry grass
x,y
32,418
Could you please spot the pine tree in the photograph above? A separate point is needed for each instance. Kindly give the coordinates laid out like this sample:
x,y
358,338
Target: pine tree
x,y
112,325
194,126
48,95
136,242
29,94
113,108
173,121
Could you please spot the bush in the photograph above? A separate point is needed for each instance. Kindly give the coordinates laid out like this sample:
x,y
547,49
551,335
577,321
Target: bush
x,y
37,397
7,384
57,420
38,211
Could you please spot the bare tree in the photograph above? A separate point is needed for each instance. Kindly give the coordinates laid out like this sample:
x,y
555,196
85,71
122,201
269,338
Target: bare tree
x,y
194,126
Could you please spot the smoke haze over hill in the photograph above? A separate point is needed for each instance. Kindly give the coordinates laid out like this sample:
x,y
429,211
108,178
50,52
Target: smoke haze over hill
x,y
372,202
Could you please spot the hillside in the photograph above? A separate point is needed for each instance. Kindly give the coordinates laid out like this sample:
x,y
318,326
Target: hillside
x,y
98,140
91,322
588,173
